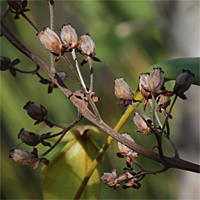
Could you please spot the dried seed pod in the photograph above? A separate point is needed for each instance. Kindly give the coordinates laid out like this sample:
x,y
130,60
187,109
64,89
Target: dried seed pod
x,y
68,35
125,151
23,157
144,88
163,102
5,62
156,80
51,41
133,182
122,89
87,45
183,83
36,112
123,92
19,6
144,84
32,139
110,179
141,124
15,4
29,138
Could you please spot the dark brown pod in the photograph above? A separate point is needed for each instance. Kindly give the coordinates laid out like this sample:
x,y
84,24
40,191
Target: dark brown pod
x,y
183,83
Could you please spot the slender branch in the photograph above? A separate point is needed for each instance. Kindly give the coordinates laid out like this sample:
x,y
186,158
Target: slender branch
x,y
67,128
5,12
52,27
27,72
170,110
169,139
78,69
154,111
29,21
91,74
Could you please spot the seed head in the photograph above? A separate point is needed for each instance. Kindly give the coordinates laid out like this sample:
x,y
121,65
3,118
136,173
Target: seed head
x,y
36,112
29,138
156,80
23,157
51,41
110,179
125,151
141,124
87,45
183,83
123,92
68,35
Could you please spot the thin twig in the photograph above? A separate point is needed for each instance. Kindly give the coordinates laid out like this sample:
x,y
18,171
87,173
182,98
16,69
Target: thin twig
x,y
31,23
78,69
91,74
52,27
67,128
168,115
5,12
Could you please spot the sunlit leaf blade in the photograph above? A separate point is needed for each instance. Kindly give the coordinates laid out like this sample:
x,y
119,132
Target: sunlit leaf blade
x,y
92,132
63,176
172,68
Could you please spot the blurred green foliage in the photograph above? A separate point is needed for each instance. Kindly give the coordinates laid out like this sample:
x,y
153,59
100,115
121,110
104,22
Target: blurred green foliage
x,y
128,40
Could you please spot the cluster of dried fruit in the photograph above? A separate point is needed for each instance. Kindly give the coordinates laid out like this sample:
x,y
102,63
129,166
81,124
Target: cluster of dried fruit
x,y
151,87
52,42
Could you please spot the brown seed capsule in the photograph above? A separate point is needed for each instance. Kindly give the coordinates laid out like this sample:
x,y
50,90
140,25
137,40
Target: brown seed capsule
x,y
110,179
23,157
87,45
51,41
19,6
123,92
68,35
141,124
29,138
144,88
163,102
15,4
183,83
122,89
36,112
156,80
125,151
5,62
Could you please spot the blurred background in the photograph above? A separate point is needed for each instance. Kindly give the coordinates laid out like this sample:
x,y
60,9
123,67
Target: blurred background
x,y
129,36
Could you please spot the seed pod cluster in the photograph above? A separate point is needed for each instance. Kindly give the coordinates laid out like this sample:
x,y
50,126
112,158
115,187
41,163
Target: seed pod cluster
x,y
111,179
68,35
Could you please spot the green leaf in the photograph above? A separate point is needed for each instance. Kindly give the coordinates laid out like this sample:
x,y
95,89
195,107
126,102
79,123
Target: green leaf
x,y
63,176
92,132
172,68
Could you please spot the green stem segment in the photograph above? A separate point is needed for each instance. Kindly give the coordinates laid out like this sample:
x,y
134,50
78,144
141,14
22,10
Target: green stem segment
x,y
102,151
